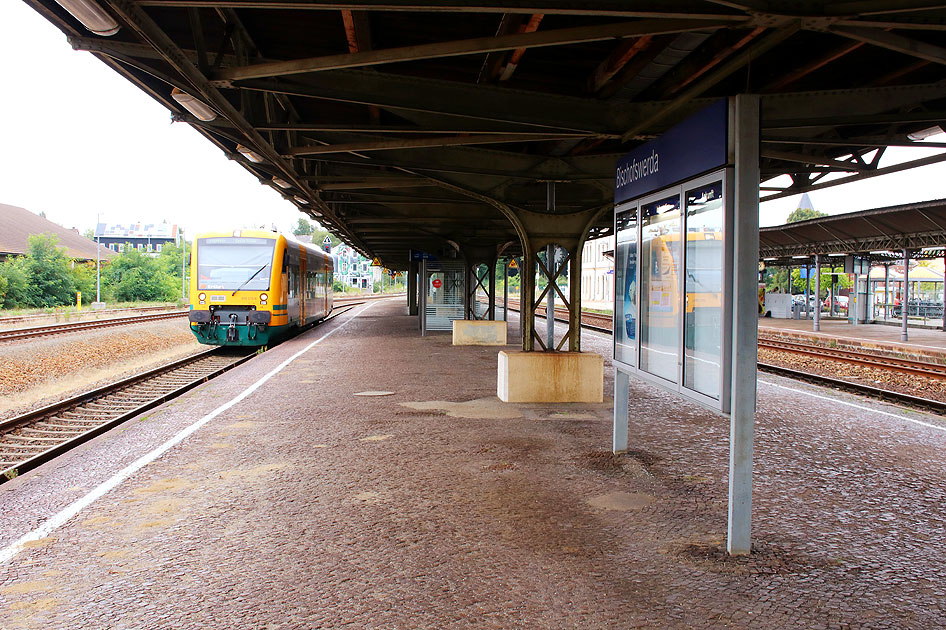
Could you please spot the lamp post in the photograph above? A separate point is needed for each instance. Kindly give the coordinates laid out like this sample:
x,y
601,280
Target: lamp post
x,y
98,259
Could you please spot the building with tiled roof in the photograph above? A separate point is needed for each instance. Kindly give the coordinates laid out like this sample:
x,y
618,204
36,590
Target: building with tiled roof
x,y
18,224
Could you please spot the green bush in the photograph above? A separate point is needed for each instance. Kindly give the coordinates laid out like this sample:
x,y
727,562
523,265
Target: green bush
x,y
84,277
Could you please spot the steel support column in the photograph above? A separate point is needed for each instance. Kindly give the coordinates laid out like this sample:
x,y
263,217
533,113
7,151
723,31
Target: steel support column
x,y
505,267
574,287
412,285
622,386
887,291
468,312
816,326
905,295
550,300
807,290
745,323
526,299
491,270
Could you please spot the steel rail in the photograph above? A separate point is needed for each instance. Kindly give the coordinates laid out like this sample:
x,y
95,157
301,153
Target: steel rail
x,y
61,417
55,329
101,419
865,390
908,366
33,316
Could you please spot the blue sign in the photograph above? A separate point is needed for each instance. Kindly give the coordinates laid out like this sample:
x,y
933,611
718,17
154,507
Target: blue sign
x,y
695,146
418,256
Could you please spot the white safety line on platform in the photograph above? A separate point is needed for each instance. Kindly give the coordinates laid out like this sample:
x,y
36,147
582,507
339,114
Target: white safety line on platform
x,y
99,491
861,407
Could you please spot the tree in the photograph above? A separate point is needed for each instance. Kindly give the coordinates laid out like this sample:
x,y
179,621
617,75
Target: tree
x,y
303,227
49,273
135,276
777,279
13,272
804,214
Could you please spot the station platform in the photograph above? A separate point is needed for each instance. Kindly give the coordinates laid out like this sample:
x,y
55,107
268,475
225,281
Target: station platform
x,y
923,343
362,476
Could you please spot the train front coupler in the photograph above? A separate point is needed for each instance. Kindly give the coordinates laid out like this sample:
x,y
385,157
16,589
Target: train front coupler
x,y
233,334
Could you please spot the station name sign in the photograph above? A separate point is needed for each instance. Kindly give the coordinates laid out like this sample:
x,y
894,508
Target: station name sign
x,y
695,146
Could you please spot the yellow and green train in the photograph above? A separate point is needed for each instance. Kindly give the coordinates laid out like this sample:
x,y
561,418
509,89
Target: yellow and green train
x,y
255,288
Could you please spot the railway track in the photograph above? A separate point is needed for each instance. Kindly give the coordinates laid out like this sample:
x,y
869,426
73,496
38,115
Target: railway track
x,y
915,368
31,439
925,404
907,366
55,329
36,437
4,321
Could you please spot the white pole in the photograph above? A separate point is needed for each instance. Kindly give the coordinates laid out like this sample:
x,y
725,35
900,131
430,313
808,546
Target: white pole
x,y
745,323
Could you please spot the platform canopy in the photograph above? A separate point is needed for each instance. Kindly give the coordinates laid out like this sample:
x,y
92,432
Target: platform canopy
x,y
424,125
881,234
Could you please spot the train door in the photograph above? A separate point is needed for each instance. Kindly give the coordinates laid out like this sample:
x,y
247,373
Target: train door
x,y
303,285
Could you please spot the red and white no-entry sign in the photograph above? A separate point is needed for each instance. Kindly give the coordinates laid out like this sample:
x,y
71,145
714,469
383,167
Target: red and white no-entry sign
x,y
437,283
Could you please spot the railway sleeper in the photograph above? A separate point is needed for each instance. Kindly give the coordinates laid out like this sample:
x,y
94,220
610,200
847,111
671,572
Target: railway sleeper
x,y
87,417
128,405
62,422
21,449
129,396
31,438
42,432
109,405
180,379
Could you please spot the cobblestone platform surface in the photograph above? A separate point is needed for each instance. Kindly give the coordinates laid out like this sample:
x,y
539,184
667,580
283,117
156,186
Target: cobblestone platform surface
x,y
310,504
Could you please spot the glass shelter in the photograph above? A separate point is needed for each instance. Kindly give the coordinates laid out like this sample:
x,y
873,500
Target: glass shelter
x,y
672,287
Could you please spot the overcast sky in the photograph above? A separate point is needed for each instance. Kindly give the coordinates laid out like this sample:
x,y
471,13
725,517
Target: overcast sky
x,y
78,139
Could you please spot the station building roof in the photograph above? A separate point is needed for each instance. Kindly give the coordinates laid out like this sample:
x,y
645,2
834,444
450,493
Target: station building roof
x,y
18,224
881,233
408,125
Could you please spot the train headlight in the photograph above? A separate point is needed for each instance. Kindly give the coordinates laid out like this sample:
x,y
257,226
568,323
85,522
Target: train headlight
x,y
201,296
263,297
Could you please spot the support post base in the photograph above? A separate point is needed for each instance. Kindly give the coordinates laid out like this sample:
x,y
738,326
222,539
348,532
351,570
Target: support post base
x,y
550,377
478,333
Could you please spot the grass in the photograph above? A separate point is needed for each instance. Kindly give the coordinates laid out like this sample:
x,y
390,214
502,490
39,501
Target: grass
x,y
70,310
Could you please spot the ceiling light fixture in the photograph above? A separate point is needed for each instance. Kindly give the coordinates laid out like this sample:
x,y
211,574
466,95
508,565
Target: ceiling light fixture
x,y
923,134
249,154
197,107
92,16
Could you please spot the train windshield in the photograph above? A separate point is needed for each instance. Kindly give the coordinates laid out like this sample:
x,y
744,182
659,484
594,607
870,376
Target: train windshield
x,y
231,263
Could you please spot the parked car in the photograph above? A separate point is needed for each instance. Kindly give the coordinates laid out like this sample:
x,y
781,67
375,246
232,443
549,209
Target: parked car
x,y
840,303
